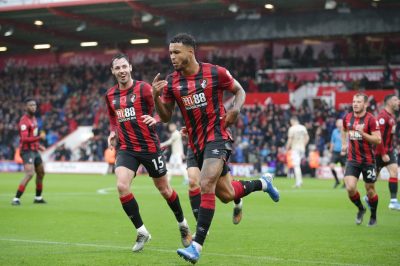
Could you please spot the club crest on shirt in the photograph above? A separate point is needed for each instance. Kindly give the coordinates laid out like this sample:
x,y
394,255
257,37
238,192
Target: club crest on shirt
x,y
382,121
133,98
203,84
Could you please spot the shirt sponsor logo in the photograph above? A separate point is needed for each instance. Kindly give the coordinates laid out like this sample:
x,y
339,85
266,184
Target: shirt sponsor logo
x,y
125,114
355,135
193,101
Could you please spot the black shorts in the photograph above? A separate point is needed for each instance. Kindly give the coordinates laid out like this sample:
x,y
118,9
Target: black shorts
x,y
338,158
380,163
153,162
215,149
355,169
190,158
31,157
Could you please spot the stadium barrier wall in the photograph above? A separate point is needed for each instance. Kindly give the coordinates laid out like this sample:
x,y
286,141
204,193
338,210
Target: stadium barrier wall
x,y
76,167
281,98
324,172
10,166
237,169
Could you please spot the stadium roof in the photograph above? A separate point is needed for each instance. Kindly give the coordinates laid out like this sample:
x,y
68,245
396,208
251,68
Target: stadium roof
x,y
114,23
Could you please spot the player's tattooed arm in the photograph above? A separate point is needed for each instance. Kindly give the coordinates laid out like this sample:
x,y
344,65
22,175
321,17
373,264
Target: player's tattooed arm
x,y
232,114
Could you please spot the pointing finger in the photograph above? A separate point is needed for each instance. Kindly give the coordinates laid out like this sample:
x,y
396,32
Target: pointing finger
x,y
156,78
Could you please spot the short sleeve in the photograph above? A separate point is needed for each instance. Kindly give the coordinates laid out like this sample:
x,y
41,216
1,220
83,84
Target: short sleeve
x,y
225,79
344,122
22,125
305,131
290,133
167,94
147,95
111,114
382,121
373,124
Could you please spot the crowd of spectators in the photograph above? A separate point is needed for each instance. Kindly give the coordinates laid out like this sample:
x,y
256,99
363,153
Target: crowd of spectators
x,y
69,96
262,132
355,51
66,97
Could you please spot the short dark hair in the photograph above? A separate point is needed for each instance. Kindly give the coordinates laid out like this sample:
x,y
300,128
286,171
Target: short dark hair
x,y
119,56
185,39
388,98
360,94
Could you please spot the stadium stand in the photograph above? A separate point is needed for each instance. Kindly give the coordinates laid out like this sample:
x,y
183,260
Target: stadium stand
x,y
69,96
69,82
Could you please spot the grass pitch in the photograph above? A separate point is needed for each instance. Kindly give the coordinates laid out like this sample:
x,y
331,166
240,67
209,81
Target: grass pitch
x,y
84,224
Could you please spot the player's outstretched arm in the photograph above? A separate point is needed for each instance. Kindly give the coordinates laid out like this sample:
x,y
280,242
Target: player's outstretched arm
x,y
164,110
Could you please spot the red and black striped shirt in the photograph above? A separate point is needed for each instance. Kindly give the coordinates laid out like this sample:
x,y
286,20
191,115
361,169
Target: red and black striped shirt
x,y
28,133
386,123
125,108
359,150
199,98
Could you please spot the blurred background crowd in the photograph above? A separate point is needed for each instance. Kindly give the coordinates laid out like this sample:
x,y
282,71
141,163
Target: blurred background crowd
x,y
69,96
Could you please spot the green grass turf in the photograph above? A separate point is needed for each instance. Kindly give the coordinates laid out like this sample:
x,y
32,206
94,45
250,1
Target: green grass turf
x,y
309,226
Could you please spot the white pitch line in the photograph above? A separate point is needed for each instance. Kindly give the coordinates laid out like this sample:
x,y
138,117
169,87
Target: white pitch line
x,y
249,257
105,190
